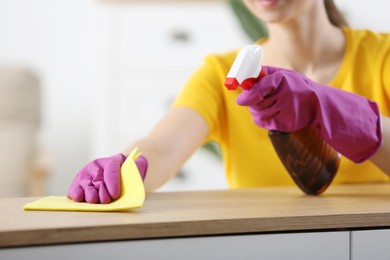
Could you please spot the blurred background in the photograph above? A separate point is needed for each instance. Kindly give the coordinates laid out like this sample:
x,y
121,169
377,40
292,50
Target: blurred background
x,y
81,79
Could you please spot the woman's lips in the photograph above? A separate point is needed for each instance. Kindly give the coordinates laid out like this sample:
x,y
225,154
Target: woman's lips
x,y
267,3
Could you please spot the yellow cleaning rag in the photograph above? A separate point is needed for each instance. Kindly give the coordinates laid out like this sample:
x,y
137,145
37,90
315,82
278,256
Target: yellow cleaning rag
x,y
133,194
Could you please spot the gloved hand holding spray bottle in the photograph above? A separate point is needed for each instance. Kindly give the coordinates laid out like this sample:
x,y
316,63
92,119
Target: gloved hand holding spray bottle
x,y
309,124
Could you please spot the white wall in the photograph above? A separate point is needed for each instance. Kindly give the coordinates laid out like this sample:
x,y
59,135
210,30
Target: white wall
x,y
67,43
58,40
366,14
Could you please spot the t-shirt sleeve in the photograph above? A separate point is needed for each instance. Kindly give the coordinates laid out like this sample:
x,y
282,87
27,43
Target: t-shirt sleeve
x,y
203,93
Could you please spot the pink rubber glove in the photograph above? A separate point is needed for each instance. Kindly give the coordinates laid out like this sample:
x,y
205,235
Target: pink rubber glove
x,y
100,182
287,101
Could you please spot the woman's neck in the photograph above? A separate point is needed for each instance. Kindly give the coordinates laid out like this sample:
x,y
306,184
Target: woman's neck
x,y
310,45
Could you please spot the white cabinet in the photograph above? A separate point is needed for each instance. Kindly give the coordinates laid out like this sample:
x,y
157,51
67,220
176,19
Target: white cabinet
x,y
152,49
293,246
370,244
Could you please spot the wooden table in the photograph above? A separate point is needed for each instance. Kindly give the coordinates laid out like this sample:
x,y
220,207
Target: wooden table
x,y
283,215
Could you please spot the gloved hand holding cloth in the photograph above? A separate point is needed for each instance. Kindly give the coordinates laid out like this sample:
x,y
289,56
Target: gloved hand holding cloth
x,y
100,181
287,101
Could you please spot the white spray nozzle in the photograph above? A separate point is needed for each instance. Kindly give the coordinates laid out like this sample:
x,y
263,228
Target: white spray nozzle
x,y
246,68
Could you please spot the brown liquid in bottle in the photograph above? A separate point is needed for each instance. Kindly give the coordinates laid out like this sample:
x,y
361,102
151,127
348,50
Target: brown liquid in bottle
x,y
311,162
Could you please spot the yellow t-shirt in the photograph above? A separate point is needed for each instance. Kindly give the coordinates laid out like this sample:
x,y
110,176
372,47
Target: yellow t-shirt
x,y
249,157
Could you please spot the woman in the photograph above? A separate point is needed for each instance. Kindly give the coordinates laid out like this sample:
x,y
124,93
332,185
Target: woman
x,y
307,37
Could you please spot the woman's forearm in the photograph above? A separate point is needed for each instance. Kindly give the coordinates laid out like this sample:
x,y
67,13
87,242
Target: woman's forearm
x,y
178,134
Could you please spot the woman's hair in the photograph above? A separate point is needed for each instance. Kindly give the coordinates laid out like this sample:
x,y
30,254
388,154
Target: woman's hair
x,y
334,15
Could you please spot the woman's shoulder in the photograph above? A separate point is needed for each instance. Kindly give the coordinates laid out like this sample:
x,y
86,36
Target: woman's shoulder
x,y
219,61
366,61
368,38
367,47
226,57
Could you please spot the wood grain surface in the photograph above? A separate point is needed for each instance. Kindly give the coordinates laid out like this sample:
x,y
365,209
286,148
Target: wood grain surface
x,y
198,213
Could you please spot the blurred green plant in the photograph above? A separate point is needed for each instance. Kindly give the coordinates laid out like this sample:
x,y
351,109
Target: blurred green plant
x,y
253,27
213,149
